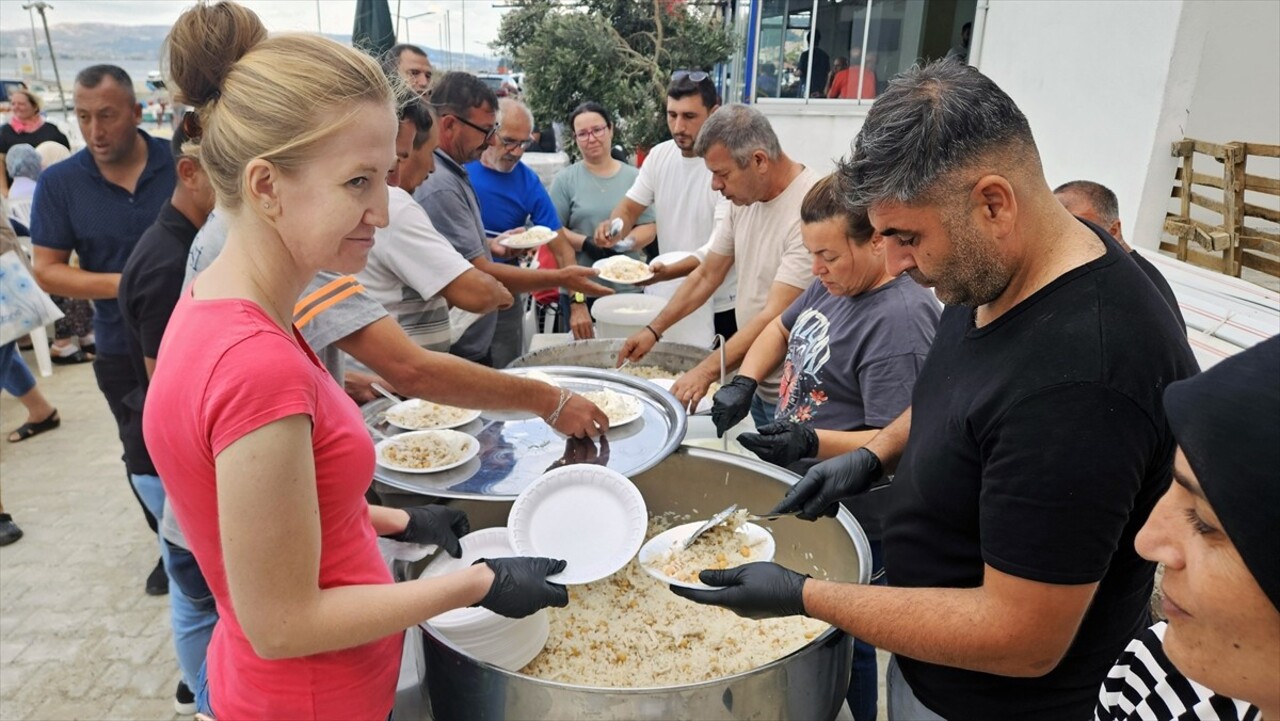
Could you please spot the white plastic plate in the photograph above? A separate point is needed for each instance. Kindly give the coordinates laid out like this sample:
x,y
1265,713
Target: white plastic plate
x,y
761,542
472,448
484,543
535,237
635,406
590,516
471,415
603,266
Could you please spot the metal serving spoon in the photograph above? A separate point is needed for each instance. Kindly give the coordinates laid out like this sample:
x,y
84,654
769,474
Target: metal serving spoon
x,y
715,521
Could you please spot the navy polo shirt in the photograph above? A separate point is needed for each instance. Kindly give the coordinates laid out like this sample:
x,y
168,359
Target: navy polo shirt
x,y
75,208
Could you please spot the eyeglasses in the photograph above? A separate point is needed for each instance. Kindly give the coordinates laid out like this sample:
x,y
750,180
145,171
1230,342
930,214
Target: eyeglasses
x,y
489,132
510,144
591,132
693,76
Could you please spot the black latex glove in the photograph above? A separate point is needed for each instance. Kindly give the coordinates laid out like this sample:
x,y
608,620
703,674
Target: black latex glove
x,y
755,590
732,403
782,442
441,525
520,586
822,489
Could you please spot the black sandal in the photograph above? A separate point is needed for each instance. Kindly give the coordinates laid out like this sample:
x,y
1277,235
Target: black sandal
x,y
27,430
78,357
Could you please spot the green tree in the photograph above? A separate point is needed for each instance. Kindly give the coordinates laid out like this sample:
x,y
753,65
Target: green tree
x,y
619,53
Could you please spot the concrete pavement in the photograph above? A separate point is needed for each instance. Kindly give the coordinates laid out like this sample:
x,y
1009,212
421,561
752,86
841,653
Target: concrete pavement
x,y
78,636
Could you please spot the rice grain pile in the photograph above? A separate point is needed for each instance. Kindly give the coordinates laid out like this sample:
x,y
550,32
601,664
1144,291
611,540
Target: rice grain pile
x,y
719,547
420,415
427,451
630,631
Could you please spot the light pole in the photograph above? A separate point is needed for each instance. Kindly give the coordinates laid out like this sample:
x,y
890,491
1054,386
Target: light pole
x,y
40,6
35,42
406,20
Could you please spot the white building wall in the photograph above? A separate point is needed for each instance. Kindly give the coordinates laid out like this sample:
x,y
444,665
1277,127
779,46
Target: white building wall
x,y
1091,78
1108,86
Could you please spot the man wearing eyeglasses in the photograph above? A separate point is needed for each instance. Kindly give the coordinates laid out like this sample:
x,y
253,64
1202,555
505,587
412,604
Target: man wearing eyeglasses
x,y
468,118
510,196
677,185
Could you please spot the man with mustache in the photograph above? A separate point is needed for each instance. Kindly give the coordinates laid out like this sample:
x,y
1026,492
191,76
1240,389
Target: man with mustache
x,y
676,184
1036,444
468,117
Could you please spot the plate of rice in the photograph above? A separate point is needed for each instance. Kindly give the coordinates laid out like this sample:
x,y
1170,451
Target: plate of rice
x,y
416,414
426,451
537,236
621,408
623,269
728,545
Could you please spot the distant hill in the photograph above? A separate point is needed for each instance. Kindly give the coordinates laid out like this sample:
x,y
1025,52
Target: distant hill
x,y
102,42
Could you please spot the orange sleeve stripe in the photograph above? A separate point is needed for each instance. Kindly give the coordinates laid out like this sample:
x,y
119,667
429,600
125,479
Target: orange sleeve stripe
x,y
306,309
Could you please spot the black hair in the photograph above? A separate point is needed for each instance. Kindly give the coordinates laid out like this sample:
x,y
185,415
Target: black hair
x,y
590,106
92,76
684,87
419,113
391,60
458,92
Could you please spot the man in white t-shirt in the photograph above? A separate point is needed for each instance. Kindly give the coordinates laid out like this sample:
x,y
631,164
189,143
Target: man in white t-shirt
x,y
413,270
760,236
677,185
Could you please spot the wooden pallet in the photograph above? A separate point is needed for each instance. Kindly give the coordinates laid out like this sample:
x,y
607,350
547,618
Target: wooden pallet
x,y
1236,242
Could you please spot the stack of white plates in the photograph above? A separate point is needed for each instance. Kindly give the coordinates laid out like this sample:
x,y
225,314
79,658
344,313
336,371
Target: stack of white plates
x,y
509,643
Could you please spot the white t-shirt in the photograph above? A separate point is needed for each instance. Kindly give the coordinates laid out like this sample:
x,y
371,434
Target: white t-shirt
x,y
678,189
764,241
410,263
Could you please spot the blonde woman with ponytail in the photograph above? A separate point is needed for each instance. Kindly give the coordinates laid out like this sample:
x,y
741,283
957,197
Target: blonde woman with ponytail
x,y
264,459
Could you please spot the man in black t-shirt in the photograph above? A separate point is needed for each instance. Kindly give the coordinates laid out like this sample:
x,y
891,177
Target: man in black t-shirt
x,y
1036,444
150,286
1096,203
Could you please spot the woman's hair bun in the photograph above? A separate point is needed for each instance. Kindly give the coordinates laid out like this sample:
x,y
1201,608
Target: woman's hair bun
x,y
204,44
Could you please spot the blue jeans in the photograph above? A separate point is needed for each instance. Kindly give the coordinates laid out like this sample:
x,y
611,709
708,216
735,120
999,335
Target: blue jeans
x,y
15,376
150,491
201,691
192,610
864,688
762,413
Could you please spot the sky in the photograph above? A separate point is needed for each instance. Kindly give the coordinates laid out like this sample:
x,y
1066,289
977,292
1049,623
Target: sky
x,y
331,16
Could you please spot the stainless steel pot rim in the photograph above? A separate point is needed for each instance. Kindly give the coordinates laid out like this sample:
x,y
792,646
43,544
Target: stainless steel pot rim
x,y
831,635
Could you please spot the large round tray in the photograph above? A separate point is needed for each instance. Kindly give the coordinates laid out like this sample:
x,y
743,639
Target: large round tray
x,y
515,453
603,353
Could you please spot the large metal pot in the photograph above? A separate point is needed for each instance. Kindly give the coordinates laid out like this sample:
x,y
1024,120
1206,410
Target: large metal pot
x,y
808,684
603,353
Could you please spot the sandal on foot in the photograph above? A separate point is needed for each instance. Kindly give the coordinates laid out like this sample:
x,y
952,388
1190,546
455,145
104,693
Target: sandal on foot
x,y
78,357
27,430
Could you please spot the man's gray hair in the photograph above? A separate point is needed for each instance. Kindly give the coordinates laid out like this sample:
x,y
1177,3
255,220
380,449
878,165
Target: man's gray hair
x,y
511,105
1100,197
931,121
742,130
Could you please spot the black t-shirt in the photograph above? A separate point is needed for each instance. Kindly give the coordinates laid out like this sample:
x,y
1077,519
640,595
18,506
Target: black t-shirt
x,y
1161,285
10,137
150,286
1039,446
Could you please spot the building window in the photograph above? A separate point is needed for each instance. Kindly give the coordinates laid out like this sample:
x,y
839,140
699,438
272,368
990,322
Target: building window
x,y
809,50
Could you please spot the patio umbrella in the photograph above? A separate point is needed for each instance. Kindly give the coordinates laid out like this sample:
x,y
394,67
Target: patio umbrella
x,y
374,33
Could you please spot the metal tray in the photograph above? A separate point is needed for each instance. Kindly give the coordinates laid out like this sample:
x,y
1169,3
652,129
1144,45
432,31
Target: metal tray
x,y
513,454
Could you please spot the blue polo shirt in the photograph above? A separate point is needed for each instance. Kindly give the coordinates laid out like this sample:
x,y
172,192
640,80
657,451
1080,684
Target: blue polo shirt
x,y
509,200
75,208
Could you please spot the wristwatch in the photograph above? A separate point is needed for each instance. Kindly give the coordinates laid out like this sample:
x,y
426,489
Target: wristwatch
x,y
579,297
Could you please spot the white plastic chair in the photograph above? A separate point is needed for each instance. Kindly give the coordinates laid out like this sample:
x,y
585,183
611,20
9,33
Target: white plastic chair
x,y
40,335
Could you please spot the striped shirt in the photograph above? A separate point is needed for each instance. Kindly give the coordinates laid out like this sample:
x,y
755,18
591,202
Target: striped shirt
x,y
1145,686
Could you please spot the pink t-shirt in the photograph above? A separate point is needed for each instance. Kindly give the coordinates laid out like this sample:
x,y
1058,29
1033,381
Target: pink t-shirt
x,y
225,369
